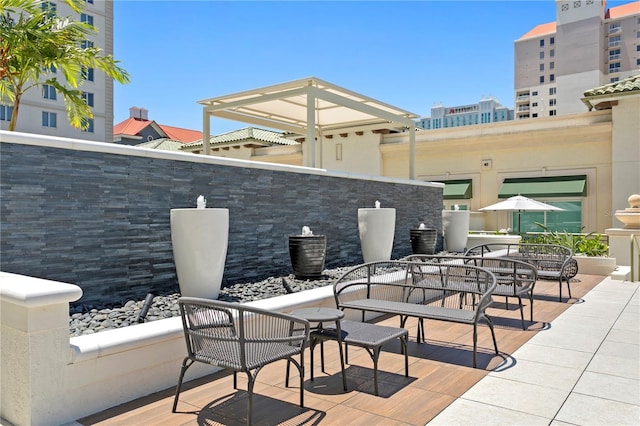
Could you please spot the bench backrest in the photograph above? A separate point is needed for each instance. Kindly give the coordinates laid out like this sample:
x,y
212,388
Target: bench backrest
x,y
508,271
417,282
545,257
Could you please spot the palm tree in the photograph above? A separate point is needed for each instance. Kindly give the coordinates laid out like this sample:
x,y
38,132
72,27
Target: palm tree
x,y
33,41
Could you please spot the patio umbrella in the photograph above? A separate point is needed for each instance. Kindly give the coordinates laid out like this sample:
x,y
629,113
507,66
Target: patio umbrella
x,y
521,204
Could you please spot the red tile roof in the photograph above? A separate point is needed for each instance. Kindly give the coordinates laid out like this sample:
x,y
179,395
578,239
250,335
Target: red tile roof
x,y
133,126
623,10
613,13
548,28
130,126
180,134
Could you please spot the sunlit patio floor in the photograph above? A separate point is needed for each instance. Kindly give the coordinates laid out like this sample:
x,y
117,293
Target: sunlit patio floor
x,y
570,348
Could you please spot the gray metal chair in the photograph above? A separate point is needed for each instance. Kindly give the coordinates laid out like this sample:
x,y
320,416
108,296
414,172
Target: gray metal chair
x,y
241,338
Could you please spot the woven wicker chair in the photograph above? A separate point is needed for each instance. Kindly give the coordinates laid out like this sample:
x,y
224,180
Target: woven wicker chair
x,y
240,338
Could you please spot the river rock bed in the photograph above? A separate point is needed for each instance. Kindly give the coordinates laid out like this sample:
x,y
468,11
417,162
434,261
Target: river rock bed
x,y
166,306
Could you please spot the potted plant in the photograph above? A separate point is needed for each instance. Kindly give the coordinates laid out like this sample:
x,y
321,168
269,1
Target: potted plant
x,y
455,226
307,253
423,239
590,254
199,238
376,228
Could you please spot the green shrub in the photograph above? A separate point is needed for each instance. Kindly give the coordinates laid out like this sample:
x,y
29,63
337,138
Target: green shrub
x,y
587,244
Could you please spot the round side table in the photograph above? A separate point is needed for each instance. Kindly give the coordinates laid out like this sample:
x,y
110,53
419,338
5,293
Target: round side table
x,y
321,315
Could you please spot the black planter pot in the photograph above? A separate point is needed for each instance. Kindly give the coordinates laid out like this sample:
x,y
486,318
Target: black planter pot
x,y
307,255
423,241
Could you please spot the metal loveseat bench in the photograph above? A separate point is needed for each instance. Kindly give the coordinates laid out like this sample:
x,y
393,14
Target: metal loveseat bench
x,y
514,278
444,292
553,262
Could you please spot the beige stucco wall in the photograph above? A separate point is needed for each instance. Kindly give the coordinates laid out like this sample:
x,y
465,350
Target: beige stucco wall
x,y
488,154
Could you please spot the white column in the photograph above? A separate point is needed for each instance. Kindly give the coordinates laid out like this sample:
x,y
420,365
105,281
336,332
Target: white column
x,y
35,348
412,152
206,130
311,129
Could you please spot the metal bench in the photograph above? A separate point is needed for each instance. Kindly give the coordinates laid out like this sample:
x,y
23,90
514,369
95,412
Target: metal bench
x,y
552,261
413,289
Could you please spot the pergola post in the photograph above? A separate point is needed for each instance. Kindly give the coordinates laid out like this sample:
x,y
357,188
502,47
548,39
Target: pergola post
x,y
311,128
206,131
412,152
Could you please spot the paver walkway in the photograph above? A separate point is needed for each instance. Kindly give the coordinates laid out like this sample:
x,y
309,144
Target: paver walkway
x,y
552,373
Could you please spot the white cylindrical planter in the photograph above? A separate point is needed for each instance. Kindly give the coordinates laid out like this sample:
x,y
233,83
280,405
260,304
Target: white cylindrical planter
x,y
377,227
199,238
455,225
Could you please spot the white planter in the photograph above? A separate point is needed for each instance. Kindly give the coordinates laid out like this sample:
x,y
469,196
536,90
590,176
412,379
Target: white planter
x,y
455,225
594,265
377,228
478,239
199,238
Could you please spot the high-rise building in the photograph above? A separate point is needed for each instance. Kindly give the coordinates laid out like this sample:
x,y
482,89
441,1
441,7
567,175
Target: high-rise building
x,y
43,111
587,46
488,110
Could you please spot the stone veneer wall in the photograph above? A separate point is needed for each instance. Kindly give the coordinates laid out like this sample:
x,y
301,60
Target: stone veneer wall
x,y
99,217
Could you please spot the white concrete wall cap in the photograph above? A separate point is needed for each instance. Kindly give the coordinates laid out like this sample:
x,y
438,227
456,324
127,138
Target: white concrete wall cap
x,y
32,292
123,339
113,148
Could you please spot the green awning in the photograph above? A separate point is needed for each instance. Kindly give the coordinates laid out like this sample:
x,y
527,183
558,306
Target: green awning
x,y
457,190
552,186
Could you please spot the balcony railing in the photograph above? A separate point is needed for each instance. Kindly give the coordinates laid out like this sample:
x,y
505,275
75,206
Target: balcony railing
x,y
615,43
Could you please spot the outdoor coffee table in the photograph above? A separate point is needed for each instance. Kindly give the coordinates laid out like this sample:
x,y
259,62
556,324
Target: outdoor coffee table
x,y
320,316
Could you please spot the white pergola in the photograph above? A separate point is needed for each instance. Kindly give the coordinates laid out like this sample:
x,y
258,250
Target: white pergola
x,y
308,107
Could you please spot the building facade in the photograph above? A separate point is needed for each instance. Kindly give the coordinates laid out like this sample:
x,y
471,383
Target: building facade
x,y
488,110
43,111
587,46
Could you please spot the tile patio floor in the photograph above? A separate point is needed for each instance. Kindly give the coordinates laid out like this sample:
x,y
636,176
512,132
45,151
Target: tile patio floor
x,y
577,363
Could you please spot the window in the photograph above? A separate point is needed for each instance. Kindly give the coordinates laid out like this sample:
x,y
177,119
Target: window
x,y
614,67
577,4
552,41
49,8
638,61
552,102
48,92
534,115
614,41
49,119
552,53
89,122
542,43
614,54
541,67
85,44
87,19
5,112
552,65
552,112
87,74
614,27
567,220
535,104
552,91
638,48
534,93
542,79
541,55
552,77
89,1
614,79
88,98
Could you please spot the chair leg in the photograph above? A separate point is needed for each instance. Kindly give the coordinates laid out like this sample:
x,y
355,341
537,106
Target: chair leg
x,y
569,288
493,334
475,342
185,365
252,379
560,287
521,312
531,306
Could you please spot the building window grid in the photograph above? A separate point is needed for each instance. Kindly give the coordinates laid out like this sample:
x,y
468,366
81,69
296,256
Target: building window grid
x,y
89,122
87,19
49,92
88,98
6,111
49,119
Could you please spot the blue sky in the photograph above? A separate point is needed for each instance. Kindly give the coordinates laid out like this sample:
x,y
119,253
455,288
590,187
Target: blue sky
x,y
410,54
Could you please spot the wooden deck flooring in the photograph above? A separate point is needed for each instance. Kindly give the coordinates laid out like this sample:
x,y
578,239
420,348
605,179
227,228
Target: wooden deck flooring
x,y
439,372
